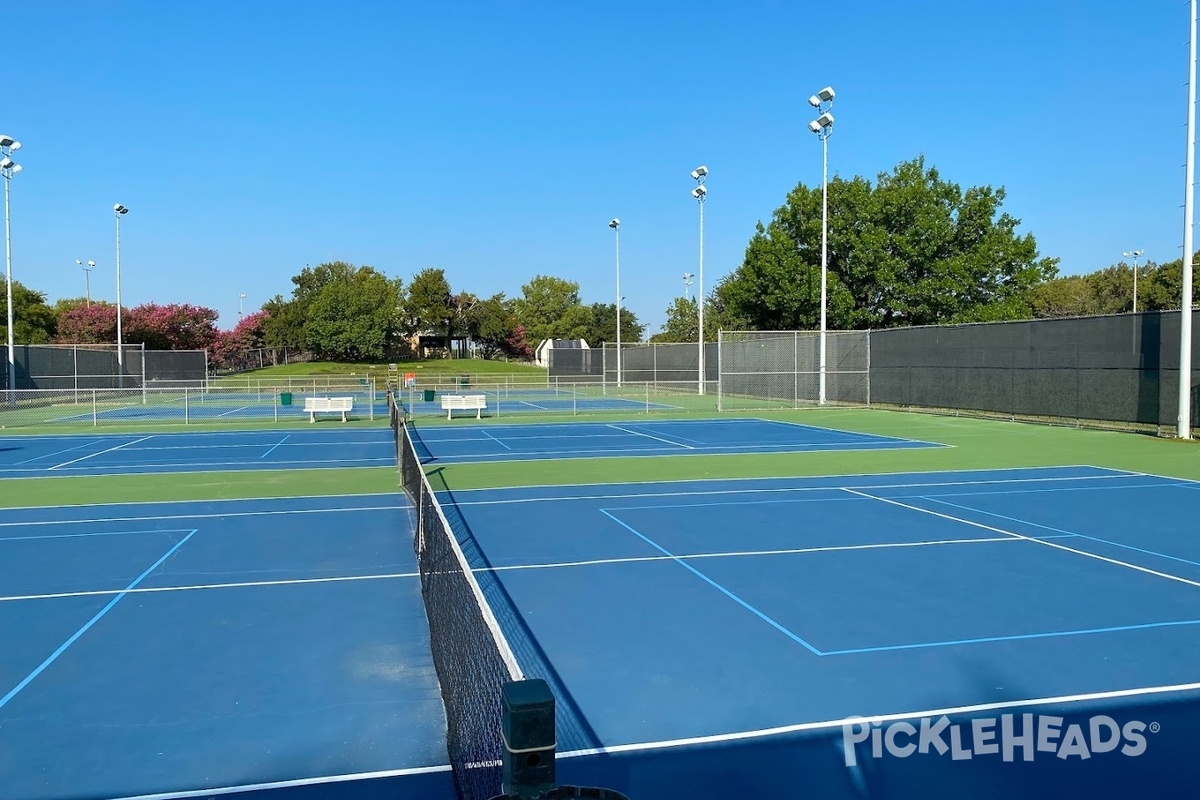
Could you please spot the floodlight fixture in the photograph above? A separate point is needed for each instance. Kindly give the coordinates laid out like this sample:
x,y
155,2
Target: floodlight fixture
x,y
699,192
120,209
700,172
7,163
91,264
9,143
615,223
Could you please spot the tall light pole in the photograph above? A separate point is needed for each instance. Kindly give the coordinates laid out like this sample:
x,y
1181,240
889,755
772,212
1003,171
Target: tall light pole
x,y
8,168
241,297
1183,425
615,224
822,126
118,212
87,280
687,284
699,174
1135,255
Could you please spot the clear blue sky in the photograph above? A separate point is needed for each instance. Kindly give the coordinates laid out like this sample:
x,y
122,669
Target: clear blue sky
x,y
496,138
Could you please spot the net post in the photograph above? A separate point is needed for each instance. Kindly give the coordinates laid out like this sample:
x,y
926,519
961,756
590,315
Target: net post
x,y
527,727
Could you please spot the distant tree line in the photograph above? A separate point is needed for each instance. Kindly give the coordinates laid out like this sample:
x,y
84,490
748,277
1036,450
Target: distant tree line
x,y
909,248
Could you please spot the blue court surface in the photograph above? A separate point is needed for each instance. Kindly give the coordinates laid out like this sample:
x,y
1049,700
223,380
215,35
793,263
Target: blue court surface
x,y
193,649
111,454
474,443
198,408
1015,633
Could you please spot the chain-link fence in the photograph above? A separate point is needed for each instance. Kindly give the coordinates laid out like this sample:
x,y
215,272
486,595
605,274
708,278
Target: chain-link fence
x,y
782,369
89,408
507,398
99,366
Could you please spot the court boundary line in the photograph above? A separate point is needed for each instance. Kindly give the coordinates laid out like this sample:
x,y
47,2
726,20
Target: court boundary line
x,y
392,495
48,536
494,439
38,670
880,719
281,441
296,783
51,455
766,490
160,517
650,436
833,447
247,466
839,430
200,587
1084,553
957,471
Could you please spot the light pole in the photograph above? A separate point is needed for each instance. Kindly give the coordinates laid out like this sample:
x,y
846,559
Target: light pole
x,y
615,224
687,284
1135,255
1183,423
241,297
699,174
822,126
8,168
87,280
118,212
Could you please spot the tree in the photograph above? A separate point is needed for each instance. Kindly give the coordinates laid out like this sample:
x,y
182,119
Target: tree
x,y
549,308
491,323
602,326
1071,296
912,249
177,326
34,322
232,347
430,303
285,323
95,324
353,316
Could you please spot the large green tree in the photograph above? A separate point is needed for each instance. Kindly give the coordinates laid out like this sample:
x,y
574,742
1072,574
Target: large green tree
x,y
910,249
287,319
492,324
353,316
430,304
603,325
549,308
34,322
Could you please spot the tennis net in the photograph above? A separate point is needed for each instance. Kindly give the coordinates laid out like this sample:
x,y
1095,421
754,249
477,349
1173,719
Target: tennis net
x,y
471,654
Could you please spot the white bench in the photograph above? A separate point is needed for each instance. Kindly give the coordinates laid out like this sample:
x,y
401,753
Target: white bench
x,y
477,402
332,405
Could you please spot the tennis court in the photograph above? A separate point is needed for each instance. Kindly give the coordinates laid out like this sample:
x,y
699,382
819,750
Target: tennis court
x,y
477,443
710,638
114,454
194,649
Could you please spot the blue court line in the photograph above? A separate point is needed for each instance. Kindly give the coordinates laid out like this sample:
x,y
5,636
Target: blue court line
x,y
1013,638
494,439
281,441
1061,530
100,614
713,584
56,453
4,539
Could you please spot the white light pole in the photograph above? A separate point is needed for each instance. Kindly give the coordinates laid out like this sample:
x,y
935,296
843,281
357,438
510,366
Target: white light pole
x,y
687,284
87,280
822,126
1183,426
241,297
1135,255
118,212
8,168
615,224
699,174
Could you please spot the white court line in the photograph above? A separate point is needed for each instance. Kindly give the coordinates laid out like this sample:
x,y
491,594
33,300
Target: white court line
x,y
202,465
272,450
497,441
882,718
197,587
232,411
649,436
768,490
1063,547
202,516
55,453
322,780
100,453
740,553
391,495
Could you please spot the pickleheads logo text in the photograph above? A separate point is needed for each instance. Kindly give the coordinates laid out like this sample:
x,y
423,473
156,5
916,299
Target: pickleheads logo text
x,y
1007,737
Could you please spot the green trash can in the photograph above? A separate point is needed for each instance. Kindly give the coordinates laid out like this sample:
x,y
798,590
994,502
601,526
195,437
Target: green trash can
x,y
429,395
464,381
285,398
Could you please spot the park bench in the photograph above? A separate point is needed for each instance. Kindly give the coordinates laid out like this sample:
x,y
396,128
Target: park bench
x,y
476,402
332,405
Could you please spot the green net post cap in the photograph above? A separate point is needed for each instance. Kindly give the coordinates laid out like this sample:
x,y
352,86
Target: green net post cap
x,y
529,739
